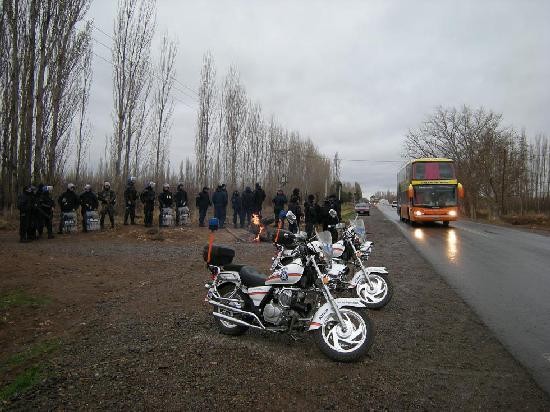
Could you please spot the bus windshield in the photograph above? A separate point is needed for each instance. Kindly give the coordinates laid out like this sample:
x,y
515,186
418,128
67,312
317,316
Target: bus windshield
x,y
433,170
435,195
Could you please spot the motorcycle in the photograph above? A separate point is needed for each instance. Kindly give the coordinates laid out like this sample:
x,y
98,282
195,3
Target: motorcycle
x,y
371,283
295,297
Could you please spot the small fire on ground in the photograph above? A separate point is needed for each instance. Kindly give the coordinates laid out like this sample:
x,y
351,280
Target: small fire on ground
x,y
257,222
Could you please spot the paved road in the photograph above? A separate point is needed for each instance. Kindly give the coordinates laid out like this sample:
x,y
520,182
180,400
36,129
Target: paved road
x,y
503,274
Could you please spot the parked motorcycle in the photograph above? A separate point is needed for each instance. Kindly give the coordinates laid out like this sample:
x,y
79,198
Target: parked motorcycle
x,y
295,297
372,283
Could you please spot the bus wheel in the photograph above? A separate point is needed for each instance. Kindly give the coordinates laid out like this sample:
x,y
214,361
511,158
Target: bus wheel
x,y
446,223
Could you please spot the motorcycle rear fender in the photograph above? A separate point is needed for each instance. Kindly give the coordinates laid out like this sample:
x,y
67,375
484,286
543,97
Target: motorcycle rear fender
x,y
322,314
225,277
370,270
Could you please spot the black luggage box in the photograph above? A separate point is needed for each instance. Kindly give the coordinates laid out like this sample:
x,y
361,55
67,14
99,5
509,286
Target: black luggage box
x,y
286,237
221,255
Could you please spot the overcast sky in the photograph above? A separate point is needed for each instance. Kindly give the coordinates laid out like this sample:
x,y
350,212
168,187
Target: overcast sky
x,y
353,76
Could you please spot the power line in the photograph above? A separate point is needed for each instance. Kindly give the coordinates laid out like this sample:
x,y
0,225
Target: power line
x,y
173,77
112,64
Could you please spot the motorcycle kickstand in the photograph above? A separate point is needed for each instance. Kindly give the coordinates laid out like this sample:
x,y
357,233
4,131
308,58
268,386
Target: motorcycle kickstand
x,y
290,329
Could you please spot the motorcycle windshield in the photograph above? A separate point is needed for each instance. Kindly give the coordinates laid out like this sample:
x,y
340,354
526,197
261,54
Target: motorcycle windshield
x,y
359,228
325,238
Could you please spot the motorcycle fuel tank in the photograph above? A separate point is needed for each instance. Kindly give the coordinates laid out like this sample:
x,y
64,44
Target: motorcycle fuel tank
x,y
287,275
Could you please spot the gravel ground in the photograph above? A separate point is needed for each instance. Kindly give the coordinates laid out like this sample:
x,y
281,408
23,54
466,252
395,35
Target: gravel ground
x,y
136,334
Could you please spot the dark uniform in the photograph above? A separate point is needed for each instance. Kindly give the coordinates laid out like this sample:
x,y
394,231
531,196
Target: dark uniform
x,y
68,202
24,204
130,200
312,214
295,207
203,202
181,201
107,197
88,202
279,202
220,201
248,204
259,197
45,210
147,197
327,220
238,211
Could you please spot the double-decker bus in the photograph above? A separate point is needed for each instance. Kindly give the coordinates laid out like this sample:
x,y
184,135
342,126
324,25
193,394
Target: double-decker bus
x,y
428,191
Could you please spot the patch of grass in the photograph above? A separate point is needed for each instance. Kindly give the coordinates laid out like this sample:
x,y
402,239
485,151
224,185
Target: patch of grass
x,y
31,353
527,219
22,382
27,368
19,298
348,211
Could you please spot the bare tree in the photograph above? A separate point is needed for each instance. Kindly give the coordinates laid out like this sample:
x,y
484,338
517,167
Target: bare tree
x,y
133,32
235,113
205,117
162,100
83,133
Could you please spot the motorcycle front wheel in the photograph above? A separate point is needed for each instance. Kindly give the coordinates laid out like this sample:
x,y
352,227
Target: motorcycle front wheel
x,y
347,344
230,291
378,294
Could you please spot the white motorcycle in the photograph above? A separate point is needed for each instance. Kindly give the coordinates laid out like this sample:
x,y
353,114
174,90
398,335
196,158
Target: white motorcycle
x,y
371,283
295,297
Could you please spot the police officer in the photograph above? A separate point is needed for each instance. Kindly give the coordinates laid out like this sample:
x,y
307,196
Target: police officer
x,y
107,197
248,204
147,197
202,202
312,214
181,201
237,205
68,202
294,205
279,202
24,204
88,202
166,200
259,197
130,199
45,210
219,199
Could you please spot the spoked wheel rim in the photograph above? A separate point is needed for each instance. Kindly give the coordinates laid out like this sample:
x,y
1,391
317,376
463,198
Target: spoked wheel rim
x,y
376,292
231,294
349,340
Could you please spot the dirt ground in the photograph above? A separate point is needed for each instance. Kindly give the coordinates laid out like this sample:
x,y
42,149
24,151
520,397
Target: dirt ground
x,y
134,333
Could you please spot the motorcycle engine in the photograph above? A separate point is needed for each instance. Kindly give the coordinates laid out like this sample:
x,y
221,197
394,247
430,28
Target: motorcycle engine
x,y
280,308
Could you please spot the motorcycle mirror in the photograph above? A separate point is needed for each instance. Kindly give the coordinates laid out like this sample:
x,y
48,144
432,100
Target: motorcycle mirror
x,y
332,213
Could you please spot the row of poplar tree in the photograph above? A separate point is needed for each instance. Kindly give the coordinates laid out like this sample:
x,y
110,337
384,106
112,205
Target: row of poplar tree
x,y
45,81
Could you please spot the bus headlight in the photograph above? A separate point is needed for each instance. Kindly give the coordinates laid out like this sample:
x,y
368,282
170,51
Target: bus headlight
x,y
452,213
417,213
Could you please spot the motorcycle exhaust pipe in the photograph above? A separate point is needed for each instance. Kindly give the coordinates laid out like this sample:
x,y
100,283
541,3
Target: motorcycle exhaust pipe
x,y
232,309
237,321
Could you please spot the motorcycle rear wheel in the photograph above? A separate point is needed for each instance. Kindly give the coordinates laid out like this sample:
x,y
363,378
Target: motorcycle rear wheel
x,y
230,291
350,345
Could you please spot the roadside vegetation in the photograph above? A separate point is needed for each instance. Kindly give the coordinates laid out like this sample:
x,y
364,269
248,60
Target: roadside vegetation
x,y
22,371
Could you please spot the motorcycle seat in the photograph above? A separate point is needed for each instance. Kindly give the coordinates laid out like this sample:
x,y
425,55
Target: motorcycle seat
x,y
251,277
233,268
